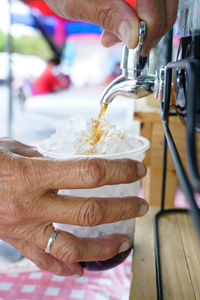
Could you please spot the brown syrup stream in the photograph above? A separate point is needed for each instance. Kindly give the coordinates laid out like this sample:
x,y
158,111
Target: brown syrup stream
x,y
97,132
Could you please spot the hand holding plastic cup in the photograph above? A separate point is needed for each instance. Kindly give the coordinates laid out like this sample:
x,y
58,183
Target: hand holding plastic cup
x,y
125,227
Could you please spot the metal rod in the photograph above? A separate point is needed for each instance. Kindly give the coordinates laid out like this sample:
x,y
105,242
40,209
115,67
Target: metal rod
x,y
164,174
183,179
157,259
9,79
156,229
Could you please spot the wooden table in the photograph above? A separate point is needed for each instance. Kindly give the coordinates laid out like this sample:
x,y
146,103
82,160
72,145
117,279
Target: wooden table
x,y
180,258
147,112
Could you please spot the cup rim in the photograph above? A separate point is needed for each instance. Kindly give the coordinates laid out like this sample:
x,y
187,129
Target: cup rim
x,y
143,148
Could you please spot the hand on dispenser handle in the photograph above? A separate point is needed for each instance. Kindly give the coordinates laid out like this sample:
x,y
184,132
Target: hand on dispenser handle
x,y
121,21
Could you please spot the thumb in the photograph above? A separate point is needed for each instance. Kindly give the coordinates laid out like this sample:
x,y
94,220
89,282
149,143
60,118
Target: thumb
x,y
117,18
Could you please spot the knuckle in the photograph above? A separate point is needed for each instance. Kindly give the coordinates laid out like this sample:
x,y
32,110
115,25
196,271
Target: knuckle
x,y
68,253
34,174
42,264
104,17
38,175
16,210
17,170
130,170
93,173
91,213
23,173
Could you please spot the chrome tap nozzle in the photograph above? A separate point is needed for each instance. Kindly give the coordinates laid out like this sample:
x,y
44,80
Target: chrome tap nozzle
x,y
134,82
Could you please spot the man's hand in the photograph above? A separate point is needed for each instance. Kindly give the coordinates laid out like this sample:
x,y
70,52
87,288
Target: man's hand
x,y
119,20
29,204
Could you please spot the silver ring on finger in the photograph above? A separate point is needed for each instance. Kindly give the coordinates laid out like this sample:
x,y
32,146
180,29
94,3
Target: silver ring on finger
x,y
51,240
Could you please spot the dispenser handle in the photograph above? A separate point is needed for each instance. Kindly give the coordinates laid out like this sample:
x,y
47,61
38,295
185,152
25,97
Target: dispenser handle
x,y
132,63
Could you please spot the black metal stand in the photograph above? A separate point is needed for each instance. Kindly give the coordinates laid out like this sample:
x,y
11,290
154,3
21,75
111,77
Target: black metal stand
x,y
189,183
157,217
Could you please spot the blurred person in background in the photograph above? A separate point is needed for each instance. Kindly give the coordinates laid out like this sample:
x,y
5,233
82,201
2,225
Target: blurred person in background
x,y
51,80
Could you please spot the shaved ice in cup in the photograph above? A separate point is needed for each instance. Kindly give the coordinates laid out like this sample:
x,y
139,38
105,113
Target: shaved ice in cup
x,y
72,140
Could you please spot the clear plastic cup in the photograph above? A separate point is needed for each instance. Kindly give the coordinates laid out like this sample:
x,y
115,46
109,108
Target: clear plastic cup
x,y
125,227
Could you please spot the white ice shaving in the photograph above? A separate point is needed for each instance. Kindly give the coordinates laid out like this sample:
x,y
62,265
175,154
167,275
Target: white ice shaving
x,y
73,134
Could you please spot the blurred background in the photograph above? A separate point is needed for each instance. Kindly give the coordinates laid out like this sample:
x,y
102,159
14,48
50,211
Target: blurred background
x,y
51,69
34,94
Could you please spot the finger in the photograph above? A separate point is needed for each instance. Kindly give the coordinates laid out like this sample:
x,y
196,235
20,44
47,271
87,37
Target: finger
x,y
154,15
115,16
71,249
171,7
89,211
16,147
109,39
44,261
84,173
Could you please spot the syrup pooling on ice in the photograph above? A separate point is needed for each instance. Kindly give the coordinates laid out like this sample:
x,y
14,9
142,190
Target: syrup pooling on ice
x,y
99,128
97,131
102,137
80,136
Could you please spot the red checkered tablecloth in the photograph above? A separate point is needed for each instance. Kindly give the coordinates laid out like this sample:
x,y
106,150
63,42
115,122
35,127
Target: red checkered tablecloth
x,y
41,285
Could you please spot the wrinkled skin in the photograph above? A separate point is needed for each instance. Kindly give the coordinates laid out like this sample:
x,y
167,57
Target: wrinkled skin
x,y
29,203
159,16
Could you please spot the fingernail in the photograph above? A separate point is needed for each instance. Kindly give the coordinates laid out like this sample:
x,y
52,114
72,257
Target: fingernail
x,y
141,170
126,32
143,209
124,246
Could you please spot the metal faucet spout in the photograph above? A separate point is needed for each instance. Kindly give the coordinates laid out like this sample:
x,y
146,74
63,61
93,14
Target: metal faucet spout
x,y
134,82
134,88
